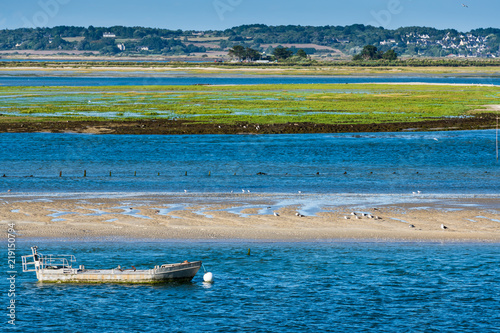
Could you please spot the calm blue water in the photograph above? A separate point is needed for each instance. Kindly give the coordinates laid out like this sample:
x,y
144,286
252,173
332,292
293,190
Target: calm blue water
x,y
280,287
175,78
460,162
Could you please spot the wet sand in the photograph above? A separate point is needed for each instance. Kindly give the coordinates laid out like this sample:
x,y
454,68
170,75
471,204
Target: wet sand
x,y
251,217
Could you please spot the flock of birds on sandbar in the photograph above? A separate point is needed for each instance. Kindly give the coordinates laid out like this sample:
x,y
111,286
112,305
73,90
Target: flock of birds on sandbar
x,y
359,216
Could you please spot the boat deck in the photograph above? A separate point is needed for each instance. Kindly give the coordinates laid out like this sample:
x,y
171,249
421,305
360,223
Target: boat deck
x,y
57,269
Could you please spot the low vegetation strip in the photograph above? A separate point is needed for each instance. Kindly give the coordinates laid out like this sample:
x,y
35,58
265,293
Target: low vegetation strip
x,y
293,62
309,107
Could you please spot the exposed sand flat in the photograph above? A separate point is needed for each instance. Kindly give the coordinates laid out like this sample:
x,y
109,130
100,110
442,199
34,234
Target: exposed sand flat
x,y
492,107
170,217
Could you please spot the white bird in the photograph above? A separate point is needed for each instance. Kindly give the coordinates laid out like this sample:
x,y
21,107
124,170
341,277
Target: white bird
x,y
353,213
185,191
358,218
243,191
411,226
464,5
300,192
276,214
347,217
443,227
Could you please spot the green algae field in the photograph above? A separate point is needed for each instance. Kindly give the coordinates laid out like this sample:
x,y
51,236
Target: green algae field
x,y
253,104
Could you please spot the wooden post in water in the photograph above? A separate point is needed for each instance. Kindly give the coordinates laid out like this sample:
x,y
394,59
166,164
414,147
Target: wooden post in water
x,y
110,173
135,173
60,173
84,173
186,173
209,173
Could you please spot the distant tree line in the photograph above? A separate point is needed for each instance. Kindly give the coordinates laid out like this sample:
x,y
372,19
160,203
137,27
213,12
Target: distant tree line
x,y
279,53
93,39
371,52
349,39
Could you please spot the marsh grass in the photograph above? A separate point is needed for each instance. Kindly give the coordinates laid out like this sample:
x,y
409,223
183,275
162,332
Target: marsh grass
x,y
315,103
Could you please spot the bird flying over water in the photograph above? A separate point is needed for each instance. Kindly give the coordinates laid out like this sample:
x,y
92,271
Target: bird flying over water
x,y
464,5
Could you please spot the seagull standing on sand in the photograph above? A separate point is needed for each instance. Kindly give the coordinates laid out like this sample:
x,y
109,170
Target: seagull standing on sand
x,y
276,214
443,227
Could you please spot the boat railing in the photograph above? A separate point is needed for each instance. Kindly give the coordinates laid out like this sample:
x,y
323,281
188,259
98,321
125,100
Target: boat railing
x,y
38,261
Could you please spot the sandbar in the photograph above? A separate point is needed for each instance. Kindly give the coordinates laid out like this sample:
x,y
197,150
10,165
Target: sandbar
x,y
254,217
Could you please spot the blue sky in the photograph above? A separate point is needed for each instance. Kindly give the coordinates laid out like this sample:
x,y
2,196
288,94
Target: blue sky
x,y
222,14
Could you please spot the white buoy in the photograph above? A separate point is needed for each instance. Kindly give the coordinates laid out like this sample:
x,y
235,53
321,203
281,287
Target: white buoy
x,y
208,277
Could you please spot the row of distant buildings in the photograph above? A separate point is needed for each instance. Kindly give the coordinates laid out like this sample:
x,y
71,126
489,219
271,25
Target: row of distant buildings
x,y
121,46
468,44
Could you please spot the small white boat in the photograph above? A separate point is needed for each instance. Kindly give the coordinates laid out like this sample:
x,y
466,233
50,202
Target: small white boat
x,y
58,269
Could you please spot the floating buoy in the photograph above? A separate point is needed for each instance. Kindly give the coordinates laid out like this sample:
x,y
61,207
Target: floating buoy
x,y
208,277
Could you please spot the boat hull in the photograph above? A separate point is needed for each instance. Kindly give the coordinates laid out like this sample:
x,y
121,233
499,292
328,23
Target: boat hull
x,y
182,272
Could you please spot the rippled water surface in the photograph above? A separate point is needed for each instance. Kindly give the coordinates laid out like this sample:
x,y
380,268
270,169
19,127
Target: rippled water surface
x,y
279,287
457,162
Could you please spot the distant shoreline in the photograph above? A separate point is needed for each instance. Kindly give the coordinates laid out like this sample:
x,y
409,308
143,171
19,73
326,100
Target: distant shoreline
x,y
183,127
